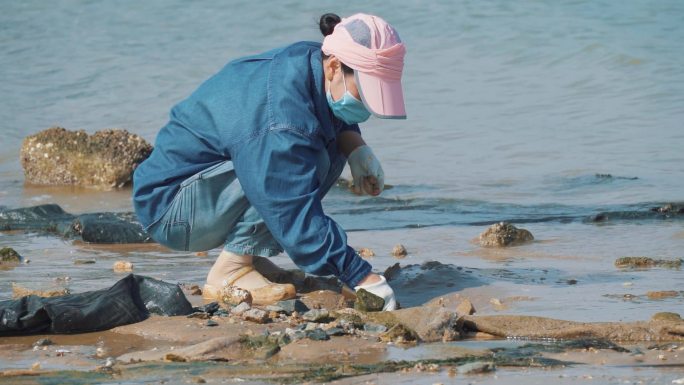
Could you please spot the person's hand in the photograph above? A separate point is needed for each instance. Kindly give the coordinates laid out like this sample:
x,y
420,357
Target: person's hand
x,y
382,289
366,171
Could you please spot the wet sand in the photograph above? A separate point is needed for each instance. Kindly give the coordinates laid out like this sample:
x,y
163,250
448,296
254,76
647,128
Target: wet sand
x,y
566,274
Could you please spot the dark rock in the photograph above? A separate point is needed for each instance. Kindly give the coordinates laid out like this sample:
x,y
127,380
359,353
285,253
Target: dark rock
x,y
211,323
335,332
504,234
9,255
92,228
367,301
293,305
210,308
317,335
199,315
301,326
392,272
109,228
105,159
670,208
571,281
84,261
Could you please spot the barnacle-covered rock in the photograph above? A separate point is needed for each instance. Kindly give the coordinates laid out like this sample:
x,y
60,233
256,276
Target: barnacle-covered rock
x,y
504,234
105,159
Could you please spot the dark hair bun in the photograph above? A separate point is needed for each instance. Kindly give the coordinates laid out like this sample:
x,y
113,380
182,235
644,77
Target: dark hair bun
x,y
328,22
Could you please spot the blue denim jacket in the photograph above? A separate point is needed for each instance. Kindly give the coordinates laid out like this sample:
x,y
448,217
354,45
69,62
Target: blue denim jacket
x,y
268,114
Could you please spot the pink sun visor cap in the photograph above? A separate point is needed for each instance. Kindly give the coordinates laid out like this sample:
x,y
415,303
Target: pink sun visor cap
x,y
372,48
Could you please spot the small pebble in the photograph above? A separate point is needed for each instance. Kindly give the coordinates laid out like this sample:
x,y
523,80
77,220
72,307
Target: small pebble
x,y
122,266
211,308
212,323
295,335
366,253
100,352
84,261
310,326
195,290
199,314
43,342
241,308
35,366
399,251
255,315
316,315
317,335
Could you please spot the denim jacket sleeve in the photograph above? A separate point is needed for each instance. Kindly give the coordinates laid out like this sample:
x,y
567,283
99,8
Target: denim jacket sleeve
x,y
278,172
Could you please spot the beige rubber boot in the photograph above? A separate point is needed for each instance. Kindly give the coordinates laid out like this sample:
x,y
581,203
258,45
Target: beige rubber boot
x,y
238,270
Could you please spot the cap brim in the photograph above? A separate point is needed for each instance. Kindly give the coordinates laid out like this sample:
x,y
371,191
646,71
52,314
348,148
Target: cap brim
x,y
384,99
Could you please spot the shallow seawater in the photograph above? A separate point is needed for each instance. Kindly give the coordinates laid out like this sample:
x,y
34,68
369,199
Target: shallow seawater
x,y
568,271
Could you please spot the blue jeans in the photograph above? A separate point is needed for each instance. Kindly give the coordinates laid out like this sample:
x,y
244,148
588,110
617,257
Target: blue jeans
x,y
211,209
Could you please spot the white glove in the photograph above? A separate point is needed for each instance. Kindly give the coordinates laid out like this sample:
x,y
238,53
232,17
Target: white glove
x,y
366,171
383,290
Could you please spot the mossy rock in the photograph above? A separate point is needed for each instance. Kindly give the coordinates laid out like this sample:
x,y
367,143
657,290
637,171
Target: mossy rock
x,y
106,159
260,347
367,301
646,262
666,316
9,255
399,334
